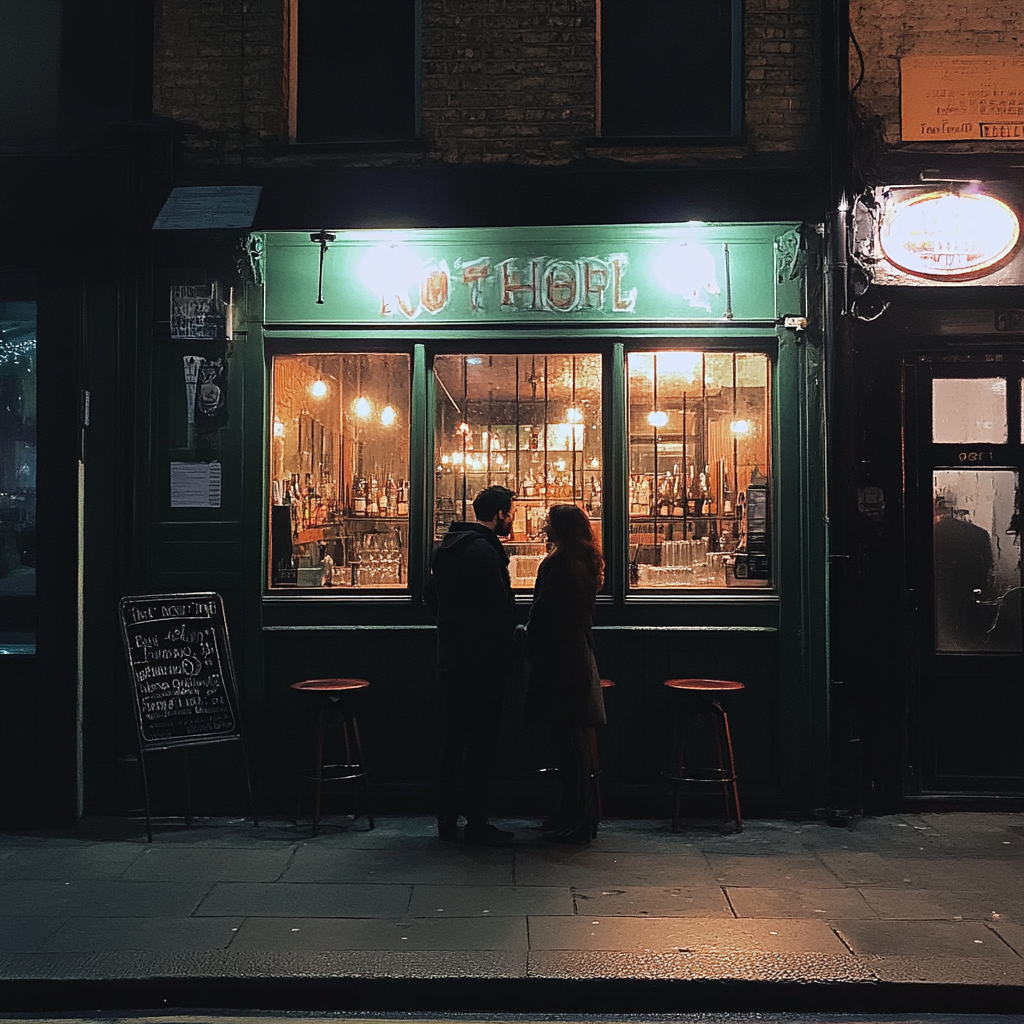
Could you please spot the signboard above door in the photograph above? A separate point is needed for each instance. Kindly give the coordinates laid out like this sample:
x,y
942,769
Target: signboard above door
x,y
620,274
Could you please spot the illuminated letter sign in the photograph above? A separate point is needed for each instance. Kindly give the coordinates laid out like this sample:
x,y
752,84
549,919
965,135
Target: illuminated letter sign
x,y
943,234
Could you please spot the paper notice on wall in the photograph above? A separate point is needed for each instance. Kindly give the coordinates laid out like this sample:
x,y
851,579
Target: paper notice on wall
x,y
192,364
195,485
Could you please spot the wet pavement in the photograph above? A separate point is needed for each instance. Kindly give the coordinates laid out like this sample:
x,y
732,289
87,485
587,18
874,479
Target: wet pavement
x,y
900,913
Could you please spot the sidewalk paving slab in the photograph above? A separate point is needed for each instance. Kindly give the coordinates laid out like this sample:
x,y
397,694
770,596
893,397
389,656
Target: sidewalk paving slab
x,y
908,910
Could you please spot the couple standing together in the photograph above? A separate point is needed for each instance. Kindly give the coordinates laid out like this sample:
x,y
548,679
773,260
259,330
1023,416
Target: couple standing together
x,y
470,593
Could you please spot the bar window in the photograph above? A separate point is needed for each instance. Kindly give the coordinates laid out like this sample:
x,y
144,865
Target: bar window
x,y
531,423
699,479
339,471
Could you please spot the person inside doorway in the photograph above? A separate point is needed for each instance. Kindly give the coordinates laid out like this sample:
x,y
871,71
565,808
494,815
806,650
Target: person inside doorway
x,y
963,569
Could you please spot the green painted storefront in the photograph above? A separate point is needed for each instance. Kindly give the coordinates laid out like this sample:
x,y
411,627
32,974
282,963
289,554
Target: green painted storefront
x,y
608,290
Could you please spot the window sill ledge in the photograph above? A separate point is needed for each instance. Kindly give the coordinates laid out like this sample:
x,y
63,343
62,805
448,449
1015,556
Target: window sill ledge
x,y
660,142
279,149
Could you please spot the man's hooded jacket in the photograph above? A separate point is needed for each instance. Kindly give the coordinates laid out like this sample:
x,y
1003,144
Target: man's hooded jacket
x,y
470,593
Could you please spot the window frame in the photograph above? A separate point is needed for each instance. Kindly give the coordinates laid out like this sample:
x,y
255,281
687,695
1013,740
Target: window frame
x,y
736,97
292,91
613,348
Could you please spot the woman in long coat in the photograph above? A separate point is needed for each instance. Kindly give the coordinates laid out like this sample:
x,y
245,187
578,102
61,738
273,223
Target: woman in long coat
x,y
565,687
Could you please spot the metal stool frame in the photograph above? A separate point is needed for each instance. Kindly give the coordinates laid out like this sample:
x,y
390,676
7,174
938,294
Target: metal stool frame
x,y
332,709
700,699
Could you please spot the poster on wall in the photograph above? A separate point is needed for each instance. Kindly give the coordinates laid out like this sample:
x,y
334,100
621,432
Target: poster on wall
x,y
210,409
200,312
952,99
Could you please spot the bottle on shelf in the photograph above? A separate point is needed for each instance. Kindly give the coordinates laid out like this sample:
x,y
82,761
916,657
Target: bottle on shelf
x,y
359,497
373,498
707,498
694,498
726,490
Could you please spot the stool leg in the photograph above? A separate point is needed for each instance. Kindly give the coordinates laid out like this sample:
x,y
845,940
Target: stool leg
x,y
681,719
732,772
362,766
319,773
595,778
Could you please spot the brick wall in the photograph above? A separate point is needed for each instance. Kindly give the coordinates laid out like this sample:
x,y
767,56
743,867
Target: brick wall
x,y
888,31
508,80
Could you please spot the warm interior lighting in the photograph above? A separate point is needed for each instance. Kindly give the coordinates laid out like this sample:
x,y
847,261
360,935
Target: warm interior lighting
x,y
573,416
318,388
278,428
740,427
363,408
595,463
658,418
388,416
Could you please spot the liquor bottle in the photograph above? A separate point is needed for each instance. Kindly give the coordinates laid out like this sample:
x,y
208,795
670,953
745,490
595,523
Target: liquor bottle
x,y
373,498
706,498
726,490
403,499
534,439
359,497
595,497
694,498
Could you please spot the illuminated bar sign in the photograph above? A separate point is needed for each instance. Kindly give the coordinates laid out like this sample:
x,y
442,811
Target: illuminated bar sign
x,y
946,234
725,273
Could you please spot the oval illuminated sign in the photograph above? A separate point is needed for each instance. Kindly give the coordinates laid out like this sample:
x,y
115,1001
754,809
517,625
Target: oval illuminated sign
x,y
943,234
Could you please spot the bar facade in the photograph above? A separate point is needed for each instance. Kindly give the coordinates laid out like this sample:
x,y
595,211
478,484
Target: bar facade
x,y
666,378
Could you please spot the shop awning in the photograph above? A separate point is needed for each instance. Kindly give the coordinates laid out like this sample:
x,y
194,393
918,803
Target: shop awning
x,y
500,196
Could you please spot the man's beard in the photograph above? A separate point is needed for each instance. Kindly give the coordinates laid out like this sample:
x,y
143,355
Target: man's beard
x,y
504,528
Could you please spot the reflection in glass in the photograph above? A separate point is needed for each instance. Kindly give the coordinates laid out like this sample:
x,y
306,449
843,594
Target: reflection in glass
x,y
339,470
531,423
17,467
969,410
699,443
977,569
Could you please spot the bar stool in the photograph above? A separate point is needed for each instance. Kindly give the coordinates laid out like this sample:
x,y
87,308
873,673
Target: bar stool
x,y
595,764
700,697
327,705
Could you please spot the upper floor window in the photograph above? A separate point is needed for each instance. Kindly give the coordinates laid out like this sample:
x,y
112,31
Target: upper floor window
x,y
353,70
670,68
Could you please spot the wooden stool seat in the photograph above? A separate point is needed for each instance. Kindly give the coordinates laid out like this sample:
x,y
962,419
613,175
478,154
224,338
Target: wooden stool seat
x,y
326,707
701,697
329,685
704,685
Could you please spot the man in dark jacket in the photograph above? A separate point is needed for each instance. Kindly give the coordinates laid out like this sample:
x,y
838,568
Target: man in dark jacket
x,y
470,593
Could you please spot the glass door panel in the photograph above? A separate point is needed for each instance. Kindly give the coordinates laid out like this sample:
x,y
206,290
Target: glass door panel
x,y
969,410
976,561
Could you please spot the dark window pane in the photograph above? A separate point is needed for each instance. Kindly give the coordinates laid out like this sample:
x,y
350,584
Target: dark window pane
x,y
666,67
357,70
17,476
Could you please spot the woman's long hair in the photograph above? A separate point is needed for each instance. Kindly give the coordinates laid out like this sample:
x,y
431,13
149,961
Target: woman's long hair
x,y
569,530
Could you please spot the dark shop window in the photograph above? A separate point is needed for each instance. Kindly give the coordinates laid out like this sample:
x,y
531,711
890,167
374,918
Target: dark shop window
x,y
356,70
670,68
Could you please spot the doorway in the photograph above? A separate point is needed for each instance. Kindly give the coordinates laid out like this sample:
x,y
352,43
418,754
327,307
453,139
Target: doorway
x,y
964,452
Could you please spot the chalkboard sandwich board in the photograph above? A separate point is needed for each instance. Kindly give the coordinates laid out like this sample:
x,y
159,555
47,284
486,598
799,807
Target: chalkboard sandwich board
x,y
182,676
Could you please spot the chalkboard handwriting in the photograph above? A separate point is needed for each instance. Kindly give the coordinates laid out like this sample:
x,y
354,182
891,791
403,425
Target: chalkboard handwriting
x,y
186,610
180,664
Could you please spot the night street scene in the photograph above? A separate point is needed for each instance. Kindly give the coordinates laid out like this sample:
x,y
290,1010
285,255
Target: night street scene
x,y
510,513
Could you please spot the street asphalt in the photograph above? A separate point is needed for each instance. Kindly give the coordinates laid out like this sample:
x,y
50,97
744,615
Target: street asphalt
x,y
907,913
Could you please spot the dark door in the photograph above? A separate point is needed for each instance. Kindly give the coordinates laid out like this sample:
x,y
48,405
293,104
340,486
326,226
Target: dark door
x,y
965,460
